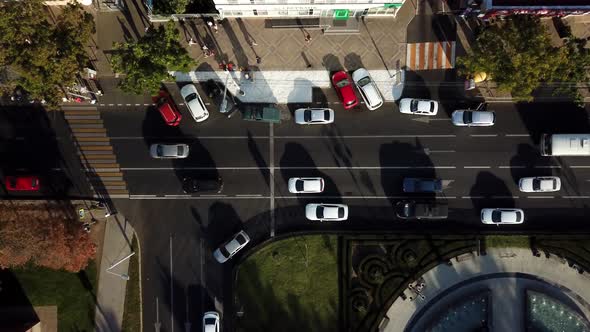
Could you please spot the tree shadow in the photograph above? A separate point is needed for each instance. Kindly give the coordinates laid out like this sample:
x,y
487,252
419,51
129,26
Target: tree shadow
x,y
486,183
223,222
528,162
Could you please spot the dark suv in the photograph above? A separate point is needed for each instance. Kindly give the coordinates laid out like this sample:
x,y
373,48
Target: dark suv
x,y
191,185
421,211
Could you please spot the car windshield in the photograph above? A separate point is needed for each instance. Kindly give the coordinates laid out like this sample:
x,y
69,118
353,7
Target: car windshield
x,y
160,150
414,105
240,238
320,212
180,150
209,321
536,184
497,216
342,83
518,216
467,117
34,182
340,212
326,115
408,210
299,185
190,97
364,81
307,116
431,107
224,251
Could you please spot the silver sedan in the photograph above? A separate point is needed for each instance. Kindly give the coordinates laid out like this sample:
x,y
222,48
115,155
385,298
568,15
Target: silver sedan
x,y
314,116
169,151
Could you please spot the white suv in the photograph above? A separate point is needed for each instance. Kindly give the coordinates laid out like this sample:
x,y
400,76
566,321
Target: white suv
x,y
367,88
194,102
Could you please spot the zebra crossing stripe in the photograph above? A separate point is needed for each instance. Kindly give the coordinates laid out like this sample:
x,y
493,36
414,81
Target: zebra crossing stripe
x,y
431,55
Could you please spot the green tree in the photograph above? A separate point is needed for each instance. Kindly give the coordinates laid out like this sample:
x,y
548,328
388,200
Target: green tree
x,y
518,55
167,7
46,56
146,63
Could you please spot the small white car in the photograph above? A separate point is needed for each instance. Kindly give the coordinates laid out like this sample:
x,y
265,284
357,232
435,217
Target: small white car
x,y
502,216
314,116
194,103
539,184
231,247
469,118
418,106
211,321
169,151
367,88
306,185
326,212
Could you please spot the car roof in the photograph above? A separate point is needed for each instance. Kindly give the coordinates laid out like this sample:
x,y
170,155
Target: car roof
x,y
482,116
331,211
312,184
168,112
424,105
360,73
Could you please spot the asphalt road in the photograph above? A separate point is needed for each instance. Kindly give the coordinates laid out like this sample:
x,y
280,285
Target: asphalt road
x,y
363,157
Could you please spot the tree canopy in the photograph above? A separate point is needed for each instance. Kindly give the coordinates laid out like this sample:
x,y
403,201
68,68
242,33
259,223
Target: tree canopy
x,y
517,53
47,56
146,63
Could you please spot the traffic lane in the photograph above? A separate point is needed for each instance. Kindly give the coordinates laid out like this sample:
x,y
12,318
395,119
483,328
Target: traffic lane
x,y
169,182
206,153
147,122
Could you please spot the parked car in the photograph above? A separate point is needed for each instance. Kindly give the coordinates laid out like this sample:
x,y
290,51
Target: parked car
x,y
22,183
169,151
167,109
194,102
231,247
261,114
422,185
223,98
502,216
539,184
314,116
469,118
192,185
326,212
306,185
418,106
211,321
367,88
421,211
341,82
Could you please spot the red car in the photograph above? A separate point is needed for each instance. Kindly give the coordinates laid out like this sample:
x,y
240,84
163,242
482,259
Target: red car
x,y
22,183
343,85
167,109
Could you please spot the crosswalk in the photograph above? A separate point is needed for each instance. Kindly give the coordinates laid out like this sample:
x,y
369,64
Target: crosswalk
x,y
430,55
96,153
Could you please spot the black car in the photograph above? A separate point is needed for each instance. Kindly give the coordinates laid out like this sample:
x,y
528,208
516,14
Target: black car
x,y
421,211
192,185
421,185
215,91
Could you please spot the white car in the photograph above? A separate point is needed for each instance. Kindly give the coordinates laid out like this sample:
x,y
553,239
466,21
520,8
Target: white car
x,y
306,185
326,212
169,151
469,118
314,116
418,106
211,321
231,247
194,103
539,184
502,216
367,88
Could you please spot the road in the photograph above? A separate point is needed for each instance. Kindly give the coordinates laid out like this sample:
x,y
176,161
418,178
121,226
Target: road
x,y
363,157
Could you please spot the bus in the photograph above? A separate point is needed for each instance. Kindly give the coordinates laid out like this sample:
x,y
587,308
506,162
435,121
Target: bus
x,y
565,145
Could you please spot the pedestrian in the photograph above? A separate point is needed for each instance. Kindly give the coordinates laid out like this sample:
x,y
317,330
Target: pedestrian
x,y
258,60
254,43
205,51
308,38
215,27
191,42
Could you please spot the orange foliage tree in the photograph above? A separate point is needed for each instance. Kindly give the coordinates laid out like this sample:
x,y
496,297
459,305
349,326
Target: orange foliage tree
x,y
44,234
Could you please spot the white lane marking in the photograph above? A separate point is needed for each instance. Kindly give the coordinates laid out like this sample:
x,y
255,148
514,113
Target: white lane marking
x,y
177,196
575,196
540,196
248,195
477,167
111,104
483,135
511,166
579,166
288,137
137,104
517,135
470,197
213,195
280,168
271,179
171,288
127,104
489,197
154,197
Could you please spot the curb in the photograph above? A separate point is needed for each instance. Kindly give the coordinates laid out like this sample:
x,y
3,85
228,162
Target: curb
x,y
140,280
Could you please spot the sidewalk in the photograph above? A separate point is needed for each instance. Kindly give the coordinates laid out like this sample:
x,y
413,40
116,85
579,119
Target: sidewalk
x,y
111,286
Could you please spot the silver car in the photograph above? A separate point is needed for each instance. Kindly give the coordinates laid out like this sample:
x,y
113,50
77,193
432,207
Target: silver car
x,y
326,212
231,247
367,88
539,184
418,106
211,321
194,103
314,116
469,118
306,185
502,216
169,151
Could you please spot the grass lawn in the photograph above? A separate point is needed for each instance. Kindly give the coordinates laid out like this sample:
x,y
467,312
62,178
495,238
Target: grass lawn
x,y
73,293
131,316
290,285
507,241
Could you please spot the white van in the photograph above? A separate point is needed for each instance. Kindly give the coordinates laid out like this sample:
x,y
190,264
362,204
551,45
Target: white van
x,y
565,145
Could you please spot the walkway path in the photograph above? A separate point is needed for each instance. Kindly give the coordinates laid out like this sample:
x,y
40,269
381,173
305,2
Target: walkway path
x,y
510,260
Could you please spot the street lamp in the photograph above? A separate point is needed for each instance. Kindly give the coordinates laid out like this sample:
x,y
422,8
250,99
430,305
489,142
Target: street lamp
x,y
122,276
